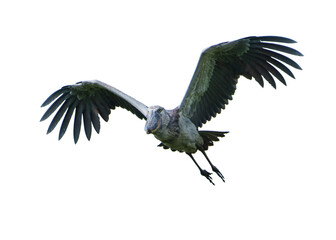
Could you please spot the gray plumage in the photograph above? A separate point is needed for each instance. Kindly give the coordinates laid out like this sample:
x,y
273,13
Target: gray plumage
x,y
212,86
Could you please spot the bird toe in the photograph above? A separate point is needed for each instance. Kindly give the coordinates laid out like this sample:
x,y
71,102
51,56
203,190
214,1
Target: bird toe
x,y
207,175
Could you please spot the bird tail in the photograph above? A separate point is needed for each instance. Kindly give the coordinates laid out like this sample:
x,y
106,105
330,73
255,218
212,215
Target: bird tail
x,y
209,137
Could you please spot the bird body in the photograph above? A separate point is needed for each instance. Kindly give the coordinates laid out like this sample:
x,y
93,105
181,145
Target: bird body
x,y
212,86
174,131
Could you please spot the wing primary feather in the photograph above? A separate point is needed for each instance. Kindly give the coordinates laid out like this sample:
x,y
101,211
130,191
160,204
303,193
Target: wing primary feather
x,y
87,119
255,74
280,48
276,73
67,118
266,62
53,96
266,75
262,68
54,106
59,114
78,120
278,56
274,39
281,67
94,117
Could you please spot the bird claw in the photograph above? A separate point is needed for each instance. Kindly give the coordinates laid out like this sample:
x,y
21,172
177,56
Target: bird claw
x,y
207,175
218,172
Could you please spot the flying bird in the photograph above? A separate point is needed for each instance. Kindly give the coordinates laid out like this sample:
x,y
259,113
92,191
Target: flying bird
x,y
211,87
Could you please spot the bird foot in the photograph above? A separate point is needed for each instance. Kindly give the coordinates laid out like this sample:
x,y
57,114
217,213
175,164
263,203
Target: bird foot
x,y
218,172
207,175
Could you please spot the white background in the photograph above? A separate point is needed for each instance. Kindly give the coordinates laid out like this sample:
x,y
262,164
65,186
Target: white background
x,y
278,159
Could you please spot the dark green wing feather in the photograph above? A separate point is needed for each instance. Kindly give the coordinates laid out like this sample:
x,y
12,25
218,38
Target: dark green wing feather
x,y
220,66
90,99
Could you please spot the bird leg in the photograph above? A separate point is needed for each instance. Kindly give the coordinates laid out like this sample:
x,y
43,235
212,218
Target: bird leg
x,y
203,172
213,167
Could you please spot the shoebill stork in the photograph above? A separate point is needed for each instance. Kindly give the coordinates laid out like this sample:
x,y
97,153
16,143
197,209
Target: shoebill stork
x,y
211,87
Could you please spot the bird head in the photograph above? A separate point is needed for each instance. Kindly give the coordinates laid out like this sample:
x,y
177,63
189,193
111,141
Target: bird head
x,y
157,118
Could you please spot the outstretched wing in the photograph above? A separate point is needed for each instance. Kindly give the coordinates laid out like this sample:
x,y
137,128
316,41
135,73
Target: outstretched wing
x,y
220,66
89,98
